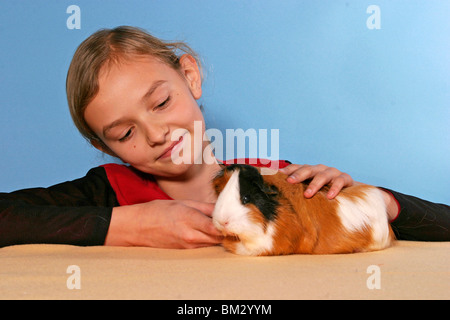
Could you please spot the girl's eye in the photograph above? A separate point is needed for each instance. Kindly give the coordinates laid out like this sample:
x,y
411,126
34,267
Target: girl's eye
x,y
126,136
163,104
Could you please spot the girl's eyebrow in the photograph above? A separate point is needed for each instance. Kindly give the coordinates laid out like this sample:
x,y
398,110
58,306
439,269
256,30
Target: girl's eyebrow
x,y
112,125
152,89
147,95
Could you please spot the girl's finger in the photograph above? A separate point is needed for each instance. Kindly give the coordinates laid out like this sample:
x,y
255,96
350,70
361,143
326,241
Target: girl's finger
x,y
329,176
305,172
316,184
198,239
344,180
299,173
200,231
335,188
289,169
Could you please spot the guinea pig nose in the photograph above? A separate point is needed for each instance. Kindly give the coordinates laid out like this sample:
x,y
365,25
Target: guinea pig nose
x,y
223,224
224,227
220,224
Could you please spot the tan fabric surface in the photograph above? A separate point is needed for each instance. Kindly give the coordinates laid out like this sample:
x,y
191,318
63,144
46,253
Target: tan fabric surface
x,y
410,270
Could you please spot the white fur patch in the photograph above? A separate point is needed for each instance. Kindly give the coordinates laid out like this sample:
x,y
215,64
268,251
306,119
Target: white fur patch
x,y
257,243
229,209
231,216
369,211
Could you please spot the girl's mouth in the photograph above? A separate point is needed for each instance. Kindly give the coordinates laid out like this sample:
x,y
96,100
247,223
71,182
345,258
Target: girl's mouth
x,y
168,152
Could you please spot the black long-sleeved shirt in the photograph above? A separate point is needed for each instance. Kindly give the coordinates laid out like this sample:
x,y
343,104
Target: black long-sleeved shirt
x,y
75,212
79,212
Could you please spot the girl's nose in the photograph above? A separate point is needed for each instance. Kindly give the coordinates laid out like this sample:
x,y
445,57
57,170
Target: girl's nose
x,y
156,134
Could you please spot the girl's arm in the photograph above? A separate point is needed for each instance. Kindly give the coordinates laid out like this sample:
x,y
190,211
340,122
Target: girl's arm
x,y
86,212
76,212
418,219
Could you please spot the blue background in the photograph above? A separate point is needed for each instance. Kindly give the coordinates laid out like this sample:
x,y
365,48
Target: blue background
x,y
373,103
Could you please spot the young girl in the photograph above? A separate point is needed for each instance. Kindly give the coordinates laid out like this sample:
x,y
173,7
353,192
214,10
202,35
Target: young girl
x,y
127,93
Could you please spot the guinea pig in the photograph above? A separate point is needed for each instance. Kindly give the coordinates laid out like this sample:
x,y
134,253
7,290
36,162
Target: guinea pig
x,y
266,215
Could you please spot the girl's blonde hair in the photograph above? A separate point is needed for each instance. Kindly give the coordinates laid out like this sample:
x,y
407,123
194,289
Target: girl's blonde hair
x,y
106,46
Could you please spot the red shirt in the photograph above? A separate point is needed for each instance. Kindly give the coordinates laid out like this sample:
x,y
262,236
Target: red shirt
x,y
132,186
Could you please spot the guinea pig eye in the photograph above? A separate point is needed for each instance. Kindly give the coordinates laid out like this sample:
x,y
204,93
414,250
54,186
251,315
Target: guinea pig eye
x,y
245,199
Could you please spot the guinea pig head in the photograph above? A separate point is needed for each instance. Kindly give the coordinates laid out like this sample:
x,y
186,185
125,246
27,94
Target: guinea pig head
x,y
245,209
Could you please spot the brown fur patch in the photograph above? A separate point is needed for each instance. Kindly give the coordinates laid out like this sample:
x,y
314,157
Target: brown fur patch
x,y
313,225
221,180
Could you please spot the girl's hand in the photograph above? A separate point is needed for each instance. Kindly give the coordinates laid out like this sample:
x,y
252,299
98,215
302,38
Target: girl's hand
x,y
164,224
321,175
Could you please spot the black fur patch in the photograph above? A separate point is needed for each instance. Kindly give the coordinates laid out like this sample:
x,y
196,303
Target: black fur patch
x,y
254,190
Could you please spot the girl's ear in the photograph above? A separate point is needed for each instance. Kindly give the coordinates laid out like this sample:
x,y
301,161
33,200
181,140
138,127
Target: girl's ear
x,y
192,74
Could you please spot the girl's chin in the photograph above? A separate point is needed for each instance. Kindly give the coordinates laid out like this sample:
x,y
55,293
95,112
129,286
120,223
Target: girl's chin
x,y
166,169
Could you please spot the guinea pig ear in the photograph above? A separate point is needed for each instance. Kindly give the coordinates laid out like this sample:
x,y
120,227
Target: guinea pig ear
x,y
219,174
268,189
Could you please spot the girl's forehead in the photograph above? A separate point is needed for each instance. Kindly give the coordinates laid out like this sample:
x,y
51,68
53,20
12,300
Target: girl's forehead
x,y
133,64
132,78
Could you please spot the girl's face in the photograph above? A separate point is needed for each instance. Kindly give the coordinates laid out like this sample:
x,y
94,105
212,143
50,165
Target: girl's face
x,y
140,103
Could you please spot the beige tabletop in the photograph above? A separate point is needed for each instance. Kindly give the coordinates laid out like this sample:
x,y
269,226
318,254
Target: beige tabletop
x,y
409,270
